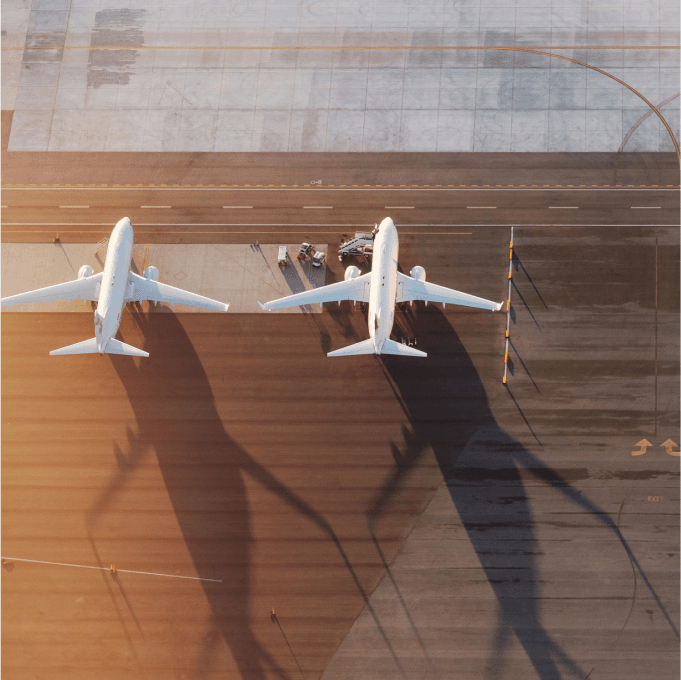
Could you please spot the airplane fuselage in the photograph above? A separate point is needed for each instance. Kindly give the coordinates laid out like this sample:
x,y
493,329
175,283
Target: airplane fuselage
x,y
114,283
383,283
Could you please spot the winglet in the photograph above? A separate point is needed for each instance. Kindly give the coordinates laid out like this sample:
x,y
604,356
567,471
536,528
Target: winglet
x,y
262,306
498,306
226,307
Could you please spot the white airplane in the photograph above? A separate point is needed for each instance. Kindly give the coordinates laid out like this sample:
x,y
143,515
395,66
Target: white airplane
x,y
112,289
382,287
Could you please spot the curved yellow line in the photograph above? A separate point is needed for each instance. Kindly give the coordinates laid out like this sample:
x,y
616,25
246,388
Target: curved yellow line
x,y
621,82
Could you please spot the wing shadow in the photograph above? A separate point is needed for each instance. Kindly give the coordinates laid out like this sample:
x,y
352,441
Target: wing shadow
x,y
203,468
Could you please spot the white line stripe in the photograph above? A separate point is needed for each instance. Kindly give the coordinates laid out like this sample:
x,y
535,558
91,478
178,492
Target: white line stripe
x,y
398,207
155,206
127,571
481,207
646,207
238,207
3,206
318,189
343,225
318,207
74,206
563,207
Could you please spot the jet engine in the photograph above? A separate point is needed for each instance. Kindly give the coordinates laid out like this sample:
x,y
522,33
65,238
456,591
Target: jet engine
x,y
418,273
85,271
351,273
151,274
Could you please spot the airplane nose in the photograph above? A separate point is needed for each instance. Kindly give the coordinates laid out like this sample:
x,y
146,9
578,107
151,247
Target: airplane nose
x,y
124,223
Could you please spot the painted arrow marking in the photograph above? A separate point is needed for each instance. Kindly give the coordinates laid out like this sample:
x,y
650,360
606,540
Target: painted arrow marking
x,y
644,444
668,445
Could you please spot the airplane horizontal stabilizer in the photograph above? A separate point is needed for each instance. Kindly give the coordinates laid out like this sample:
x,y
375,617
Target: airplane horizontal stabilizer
x,y
90,347
364,347
84,347
117,347
392,347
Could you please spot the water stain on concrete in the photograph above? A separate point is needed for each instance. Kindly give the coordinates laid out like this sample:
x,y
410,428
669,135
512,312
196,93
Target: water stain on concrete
x,y
113,28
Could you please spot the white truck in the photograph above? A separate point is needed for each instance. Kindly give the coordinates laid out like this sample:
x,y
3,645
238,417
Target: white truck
x,y
304,250
318,259
282,259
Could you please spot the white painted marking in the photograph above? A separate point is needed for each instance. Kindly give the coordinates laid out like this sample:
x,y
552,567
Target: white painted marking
x,y
278,224
318,207
238,207
127,571
74,206
155,206
319,189
481,207
3,206
646,207
398,207
563,207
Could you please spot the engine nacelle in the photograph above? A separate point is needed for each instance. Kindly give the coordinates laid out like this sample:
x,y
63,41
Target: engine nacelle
x,y
151,274
85,271
418,273
351,273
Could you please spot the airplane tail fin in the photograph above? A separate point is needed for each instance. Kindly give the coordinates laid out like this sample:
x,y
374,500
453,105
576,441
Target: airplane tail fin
x,y
90,347
364,347
392,347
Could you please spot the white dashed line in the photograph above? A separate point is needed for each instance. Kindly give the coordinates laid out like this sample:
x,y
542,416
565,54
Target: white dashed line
x,y
151,207
398,207
318,207
646,207
563,207
74,206
481,207
238,207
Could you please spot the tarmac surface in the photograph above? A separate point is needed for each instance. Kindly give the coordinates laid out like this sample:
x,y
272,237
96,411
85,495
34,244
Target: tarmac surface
x,y
411,519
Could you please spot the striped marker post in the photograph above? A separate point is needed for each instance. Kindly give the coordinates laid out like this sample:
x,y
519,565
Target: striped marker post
x,y
508,305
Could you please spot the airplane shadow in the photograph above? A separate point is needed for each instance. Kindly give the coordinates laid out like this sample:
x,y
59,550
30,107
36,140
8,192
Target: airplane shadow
x,y
203,470
447,409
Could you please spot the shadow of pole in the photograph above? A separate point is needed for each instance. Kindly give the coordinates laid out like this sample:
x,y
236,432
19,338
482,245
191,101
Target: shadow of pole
x,y
117,580
517,262
520,295
517,353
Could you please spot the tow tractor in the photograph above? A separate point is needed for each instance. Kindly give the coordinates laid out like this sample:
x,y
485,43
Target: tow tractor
x,y
361,244
305,250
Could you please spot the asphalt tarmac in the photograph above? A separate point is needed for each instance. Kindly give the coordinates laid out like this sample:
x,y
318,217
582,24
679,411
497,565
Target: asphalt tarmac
x,y
239,453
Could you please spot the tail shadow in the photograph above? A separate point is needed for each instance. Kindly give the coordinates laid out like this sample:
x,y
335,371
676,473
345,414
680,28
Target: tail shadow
x,y
447,409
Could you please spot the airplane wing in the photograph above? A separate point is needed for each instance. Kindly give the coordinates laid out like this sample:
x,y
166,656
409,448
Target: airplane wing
x,y
354,289
81,289
140,289
409,289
